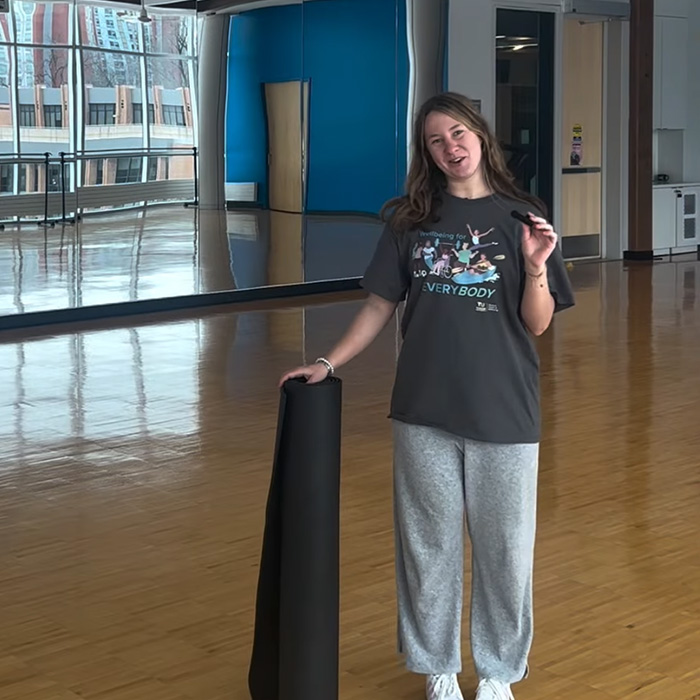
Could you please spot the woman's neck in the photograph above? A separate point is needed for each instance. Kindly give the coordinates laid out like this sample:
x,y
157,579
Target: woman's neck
x,y
473,188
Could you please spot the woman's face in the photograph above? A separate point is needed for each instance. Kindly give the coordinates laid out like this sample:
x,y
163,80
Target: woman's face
x,y
455,149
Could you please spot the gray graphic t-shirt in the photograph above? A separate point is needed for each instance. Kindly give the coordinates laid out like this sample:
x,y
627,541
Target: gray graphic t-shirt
x,y
468,364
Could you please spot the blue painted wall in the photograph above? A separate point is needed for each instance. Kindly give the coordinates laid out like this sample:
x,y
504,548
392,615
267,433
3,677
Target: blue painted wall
x,y
354,55
264,47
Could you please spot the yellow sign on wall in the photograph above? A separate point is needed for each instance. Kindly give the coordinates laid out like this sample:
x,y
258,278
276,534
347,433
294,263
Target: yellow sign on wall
x,y
576,156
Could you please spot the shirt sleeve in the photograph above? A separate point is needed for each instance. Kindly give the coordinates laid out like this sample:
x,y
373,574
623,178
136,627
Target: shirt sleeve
x,y
387,274
559,282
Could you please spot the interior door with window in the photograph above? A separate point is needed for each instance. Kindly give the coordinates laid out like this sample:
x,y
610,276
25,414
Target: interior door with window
x,y
525,98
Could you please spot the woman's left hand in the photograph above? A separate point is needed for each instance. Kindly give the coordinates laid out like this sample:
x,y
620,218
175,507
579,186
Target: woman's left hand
x,y
539,240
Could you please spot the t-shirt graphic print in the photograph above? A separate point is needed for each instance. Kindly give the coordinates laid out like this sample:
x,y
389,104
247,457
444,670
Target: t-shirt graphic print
x,y
458,264
468,364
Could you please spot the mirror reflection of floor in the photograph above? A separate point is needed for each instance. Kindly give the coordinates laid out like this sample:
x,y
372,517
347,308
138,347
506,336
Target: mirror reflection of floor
x,y
170,251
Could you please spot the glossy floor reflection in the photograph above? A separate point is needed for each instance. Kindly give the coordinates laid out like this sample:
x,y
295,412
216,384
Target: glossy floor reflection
x,y
135,467
170,251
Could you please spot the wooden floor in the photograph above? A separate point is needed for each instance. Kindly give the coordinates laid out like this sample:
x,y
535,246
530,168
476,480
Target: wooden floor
x,y
134,467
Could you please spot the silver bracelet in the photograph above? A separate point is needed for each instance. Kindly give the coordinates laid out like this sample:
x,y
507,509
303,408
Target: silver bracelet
x,y
328,365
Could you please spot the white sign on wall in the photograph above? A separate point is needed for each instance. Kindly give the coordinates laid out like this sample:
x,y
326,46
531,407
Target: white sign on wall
x,y
598,8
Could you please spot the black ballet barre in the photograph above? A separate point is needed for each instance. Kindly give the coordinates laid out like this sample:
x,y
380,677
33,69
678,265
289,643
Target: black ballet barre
x,y
64,158
45,160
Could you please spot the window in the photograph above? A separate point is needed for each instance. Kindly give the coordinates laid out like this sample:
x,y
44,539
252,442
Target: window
x,y
31,178
174,115
7,178
128,170
27,115
137,112
53,116
93,172
169,83
44,83
153,168
112,86
51,48
54,178
7,97
102,113
158,168
169,34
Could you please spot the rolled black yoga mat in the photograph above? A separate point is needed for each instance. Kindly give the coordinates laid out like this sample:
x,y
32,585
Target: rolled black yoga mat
x,y
295,642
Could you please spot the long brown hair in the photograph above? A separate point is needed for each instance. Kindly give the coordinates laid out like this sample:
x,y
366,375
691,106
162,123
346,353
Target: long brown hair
x,y
426,181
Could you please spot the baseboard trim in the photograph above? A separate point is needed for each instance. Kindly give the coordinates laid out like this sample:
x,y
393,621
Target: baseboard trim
x,y
192,301
639,255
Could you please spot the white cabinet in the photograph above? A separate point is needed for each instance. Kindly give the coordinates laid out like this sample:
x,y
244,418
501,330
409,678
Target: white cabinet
x,y
670,73
676,218
687,219
665,208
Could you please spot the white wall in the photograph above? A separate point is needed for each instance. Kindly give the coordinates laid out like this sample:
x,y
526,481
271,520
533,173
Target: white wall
x,y
691,155
472,60
689,9
425,28
472,52
472,47
472,71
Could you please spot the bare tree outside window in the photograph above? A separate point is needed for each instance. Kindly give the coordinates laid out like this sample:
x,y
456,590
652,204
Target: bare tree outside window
x,y
51,67
95,70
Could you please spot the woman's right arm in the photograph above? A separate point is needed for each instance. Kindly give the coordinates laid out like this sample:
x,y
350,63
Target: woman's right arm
x,y
366,326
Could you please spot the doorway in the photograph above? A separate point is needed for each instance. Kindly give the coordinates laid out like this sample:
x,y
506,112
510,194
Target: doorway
x,y
286,109
525,99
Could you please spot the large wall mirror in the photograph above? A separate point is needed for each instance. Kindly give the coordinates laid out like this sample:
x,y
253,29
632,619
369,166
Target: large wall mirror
x,y
102,111
98,130
315,135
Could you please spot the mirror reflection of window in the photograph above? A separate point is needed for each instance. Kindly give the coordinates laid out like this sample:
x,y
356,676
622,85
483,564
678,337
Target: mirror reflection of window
x,y
48,47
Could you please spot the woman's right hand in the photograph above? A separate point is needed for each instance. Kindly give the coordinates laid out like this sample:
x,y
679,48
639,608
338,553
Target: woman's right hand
x,y
314,373
371,319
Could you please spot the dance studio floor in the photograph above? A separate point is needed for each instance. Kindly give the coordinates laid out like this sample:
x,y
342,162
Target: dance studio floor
x,y
134,472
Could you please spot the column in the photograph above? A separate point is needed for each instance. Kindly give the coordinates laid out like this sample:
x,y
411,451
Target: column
x,y
212,111
641,114
426,28
616,158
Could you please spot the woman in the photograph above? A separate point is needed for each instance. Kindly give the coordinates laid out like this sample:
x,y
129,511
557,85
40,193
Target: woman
x,y
465,441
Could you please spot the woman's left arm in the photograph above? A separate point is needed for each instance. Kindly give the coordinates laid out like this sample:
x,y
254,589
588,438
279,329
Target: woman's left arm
x,y
538,243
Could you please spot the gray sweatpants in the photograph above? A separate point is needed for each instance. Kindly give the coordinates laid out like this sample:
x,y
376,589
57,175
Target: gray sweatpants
x,y
435,476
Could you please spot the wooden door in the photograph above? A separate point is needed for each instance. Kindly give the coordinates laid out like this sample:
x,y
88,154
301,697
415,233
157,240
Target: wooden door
x,y
582,108
286,108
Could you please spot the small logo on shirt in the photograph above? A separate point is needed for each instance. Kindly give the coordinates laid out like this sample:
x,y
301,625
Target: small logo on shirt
x,y
484,307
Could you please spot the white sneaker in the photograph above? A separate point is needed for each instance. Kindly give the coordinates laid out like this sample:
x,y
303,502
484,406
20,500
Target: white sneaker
x,y
493,690
443,687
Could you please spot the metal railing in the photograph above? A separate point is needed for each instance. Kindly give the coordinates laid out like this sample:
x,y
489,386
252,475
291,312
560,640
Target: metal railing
x,y
65,158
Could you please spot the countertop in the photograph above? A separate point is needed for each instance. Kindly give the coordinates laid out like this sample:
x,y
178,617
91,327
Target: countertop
x,y
661,185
